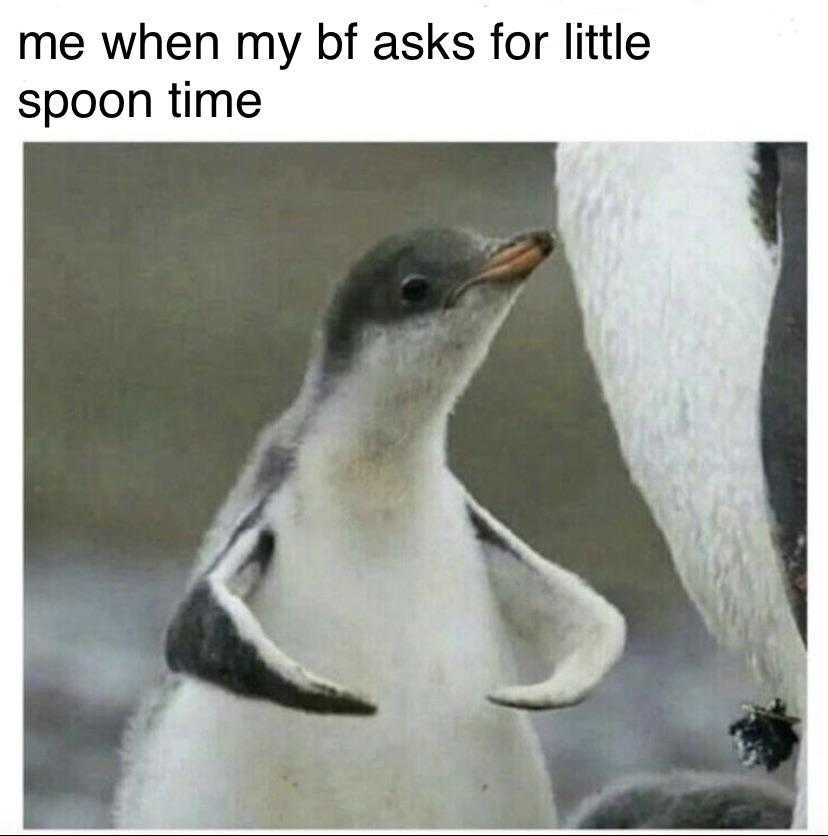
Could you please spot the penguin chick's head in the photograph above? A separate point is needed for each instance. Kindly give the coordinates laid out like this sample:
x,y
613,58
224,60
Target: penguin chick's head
x,y
415,315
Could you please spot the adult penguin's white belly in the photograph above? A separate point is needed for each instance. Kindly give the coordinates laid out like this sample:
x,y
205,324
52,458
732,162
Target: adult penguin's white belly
x,y
410,620
676,283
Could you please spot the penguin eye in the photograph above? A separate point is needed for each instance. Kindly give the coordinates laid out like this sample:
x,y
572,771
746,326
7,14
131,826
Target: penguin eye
x,y
414,288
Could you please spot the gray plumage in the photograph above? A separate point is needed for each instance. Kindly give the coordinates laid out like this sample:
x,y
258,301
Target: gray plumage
x,y
686,800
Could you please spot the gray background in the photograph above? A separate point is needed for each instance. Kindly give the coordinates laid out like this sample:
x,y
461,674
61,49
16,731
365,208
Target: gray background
x,y
170,294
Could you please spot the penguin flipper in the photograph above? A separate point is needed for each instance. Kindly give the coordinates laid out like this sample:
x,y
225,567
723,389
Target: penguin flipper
x,y
215,637
573,628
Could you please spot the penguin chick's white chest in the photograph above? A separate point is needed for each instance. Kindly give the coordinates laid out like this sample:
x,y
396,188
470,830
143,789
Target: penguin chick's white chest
x,y
394,600
394,564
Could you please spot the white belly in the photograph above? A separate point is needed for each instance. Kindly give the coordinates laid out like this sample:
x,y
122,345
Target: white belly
x,y
407,619
676,288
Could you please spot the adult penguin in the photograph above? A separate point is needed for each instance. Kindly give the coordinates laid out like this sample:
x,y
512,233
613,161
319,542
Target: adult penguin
x,y
696,325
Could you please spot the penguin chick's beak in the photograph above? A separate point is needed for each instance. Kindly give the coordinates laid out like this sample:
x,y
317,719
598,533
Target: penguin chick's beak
x,y
512,262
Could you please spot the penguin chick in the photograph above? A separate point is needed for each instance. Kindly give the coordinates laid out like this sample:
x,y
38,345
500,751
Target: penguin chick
x,y
353,606
686,801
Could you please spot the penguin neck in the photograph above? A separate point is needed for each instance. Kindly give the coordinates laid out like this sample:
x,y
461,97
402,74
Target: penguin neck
x,y
372,447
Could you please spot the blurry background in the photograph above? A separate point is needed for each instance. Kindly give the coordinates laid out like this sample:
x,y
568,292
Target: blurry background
x,y
170,294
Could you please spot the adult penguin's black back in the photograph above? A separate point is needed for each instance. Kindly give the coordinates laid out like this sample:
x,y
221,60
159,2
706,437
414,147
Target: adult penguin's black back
x,y
780,206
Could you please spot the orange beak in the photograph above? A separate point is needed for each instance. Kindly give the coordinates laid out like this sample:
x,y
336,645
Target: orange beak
x,y
512,263
518,259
